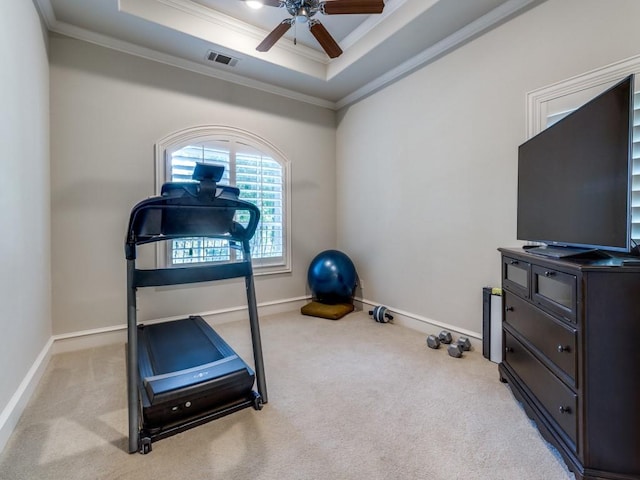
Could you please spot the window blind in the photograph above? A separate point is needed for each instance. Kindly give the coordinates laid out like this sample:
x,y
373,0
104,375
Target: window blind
x,y
261,182
635,188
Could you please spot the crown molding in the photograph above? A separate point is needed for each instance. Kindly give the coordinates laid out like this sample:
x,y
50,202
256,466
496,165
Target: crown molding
x,y
465,34
45,10
286,47
149,54
537,99
369,24
179,16
225,21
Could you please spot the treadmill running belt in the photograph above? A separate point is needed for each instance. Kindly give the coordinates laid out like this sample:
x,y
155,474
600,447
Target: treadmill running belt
x,y
179,345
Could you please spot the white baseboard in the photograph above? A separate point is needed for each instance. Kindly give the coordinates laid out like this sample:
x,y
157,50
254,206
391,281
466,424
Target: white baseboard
x,y
69,342
424,324
18,402
117,335
85,339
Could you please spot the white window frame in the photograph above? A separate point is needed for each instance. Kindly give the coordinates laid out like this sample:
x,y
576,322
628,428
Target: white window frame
x,y
547,102
203,133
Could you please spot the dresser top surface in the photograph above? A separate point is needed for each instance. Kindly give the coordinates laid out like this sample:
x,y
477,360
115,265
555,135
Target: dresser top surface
x,y
597,260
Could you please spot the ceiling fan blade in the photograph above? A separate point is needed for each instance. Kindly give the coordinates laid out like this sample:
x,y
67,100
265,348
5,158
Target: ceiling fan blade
x,y
274,36
270,3
337,7
325,40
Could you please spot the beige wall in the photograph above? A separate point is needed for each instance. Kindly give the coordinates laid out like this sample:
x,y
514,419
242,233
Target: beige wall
x,y
417,184
108,109
427,167
25,283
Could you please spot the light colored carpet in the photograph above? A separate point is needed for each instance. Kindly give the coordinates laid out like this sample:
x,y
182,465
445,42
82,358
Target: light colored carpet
x,y
348,399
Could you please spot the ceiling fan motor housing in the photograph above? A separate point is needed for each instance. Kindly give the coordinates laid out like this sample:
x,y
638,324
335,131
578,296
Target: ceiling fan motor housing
x,y
302,8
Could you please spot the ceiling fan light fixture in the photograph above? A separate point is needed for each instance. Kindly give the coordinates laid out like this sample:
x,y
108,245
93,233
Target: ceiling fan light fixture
x,y
302,15
255,4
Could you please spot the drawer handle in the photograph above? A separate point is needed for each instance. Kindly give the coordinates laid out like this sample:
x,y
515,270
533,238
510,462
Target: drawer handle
x,y
508,349
549,274
564,349
509,309
514,262
564,409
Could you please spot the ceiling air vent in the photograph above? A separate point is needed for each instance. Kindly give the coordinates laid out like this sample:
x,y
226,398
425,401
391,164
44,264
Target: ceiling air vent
x,y
221,58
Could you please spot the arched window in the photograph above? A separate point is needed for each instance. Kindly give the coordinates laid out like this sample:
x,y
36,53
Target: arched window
x,y
252,164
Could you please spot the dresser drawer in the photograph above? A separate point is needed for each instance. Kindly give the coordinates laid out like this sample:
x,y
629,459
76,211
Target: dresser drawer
x,y
560,402
516,275
555,291
555,340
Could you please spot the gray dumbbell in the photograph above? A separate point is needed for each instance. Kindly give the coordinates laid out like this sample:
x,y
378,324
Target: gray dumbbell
x,y
443,337
461,345
433,341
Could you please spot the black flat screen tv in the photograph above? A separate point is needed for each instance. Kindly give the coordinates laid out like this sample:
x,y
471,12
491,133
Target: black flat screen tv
x,y
574,178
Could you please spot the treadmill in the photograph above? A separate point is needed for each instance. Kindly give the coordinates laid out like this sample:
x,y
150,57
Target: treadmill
x,y
181,373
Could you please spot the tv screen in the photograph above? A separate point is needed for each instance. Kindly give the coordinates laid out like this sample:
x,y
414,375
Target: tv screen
x,y
574,178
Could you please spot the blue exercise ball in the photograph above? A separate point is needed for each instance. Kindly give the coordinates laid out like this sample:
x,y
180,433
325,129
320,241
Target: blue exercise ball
x,y
332,277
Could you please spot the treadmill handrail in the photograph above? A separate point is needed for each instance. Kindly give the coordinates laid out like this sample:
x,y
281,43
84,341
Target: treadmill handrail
x,y
176,276
157,219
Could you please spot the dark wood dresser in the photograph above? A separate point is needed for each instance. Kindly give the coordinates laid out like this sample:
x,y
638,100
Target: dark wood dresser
x,y
571,337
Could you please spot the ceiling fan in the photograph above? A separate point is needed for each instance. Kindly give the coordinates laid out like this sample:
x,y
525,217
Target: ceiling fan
x,y
302,11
